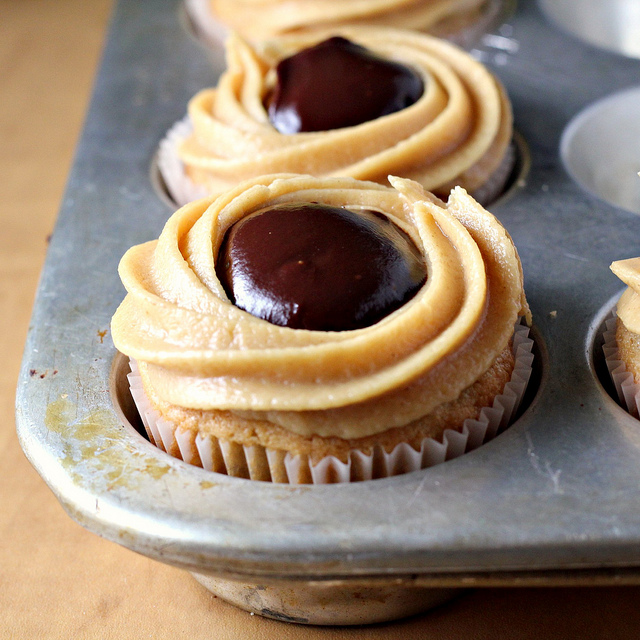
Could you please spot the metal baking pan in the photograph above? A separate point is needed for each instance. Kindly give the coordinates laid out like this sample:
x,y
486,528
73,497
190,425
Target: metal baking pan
x,y
553,500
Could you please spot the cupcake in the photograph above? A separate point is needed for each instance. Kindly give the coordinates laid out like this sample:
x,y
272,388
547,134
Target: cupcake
x,y
366,103
622,337
298,329
459,20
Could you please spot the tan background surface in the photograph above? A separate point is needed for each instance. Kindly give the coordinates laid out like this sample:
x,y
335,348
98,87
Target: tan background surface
x,y
56,579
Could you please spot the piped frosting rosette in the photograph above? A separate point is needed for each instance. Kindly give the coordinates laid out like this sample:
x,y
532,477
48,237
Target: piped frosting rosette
x,y
457,133
259,19
622,337
215,370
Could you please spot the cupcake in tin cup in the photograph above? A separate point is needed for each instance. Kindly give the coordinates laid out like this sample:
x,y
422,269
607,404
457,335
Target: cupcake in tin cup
x,y
361,102
462,21
297,329
622,337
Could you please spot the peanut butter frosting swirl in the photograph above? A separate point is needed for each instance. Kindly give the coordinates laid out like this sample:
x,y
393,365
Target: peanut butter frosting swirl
x,y
201,352
457,133
257,19
628,309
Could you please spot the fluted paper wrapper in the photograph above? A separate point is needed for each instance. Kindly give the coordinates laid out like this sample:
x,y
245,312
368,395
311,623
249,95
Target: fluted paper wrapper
x,y
258,463
179,186
205,26
627,389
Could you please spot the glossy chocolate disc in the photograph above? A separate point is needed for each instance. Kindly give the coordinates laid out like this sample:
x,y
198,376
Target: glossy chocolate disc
x,y
316,267
338,84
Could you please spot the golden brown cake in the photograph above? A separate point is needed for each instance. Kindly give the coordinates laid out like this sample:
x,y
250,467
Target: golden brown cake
x,y
457,133
256,391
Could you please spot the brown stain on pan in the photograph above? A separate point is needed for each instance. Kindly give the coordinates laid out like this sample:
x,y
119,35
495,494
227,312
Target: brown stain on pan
x,y
90,449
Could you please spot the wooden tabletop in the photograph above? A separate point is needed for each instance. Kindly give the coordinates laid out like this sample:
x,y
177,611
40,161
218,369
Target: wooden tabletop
x,y
58,580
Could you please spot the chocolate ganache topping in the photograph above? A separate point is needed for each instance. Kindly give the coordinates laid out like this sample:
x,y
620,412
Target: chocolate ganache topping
x,y
337,84
319,267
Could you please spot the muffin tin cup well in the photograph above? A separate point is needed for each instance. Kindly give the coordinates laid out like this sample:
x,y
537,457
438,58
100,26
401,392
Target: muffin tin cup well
x,y
613,25
519,510
329,604
600,149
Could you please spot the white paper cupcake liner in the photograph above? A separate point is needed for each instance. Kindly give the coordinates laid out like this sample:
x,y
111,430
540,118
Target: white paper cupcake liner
x,y
468,36
260,464
205,26
495,186
627,389
178,184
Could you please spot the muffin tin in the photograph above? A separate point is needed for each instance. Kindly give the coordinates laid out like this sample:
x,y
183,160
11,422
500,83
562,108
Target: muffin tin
x,y
553,500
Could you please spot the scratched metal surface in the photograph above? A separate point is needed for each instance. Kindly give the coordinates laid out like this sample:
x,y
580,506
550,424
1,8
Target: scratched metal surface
x,y
557,492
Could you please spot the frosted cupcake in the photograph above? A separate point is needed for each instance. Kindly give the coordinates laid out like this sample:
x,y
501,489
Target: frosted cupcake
x,y
402,104
298,329
622,337
459,20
